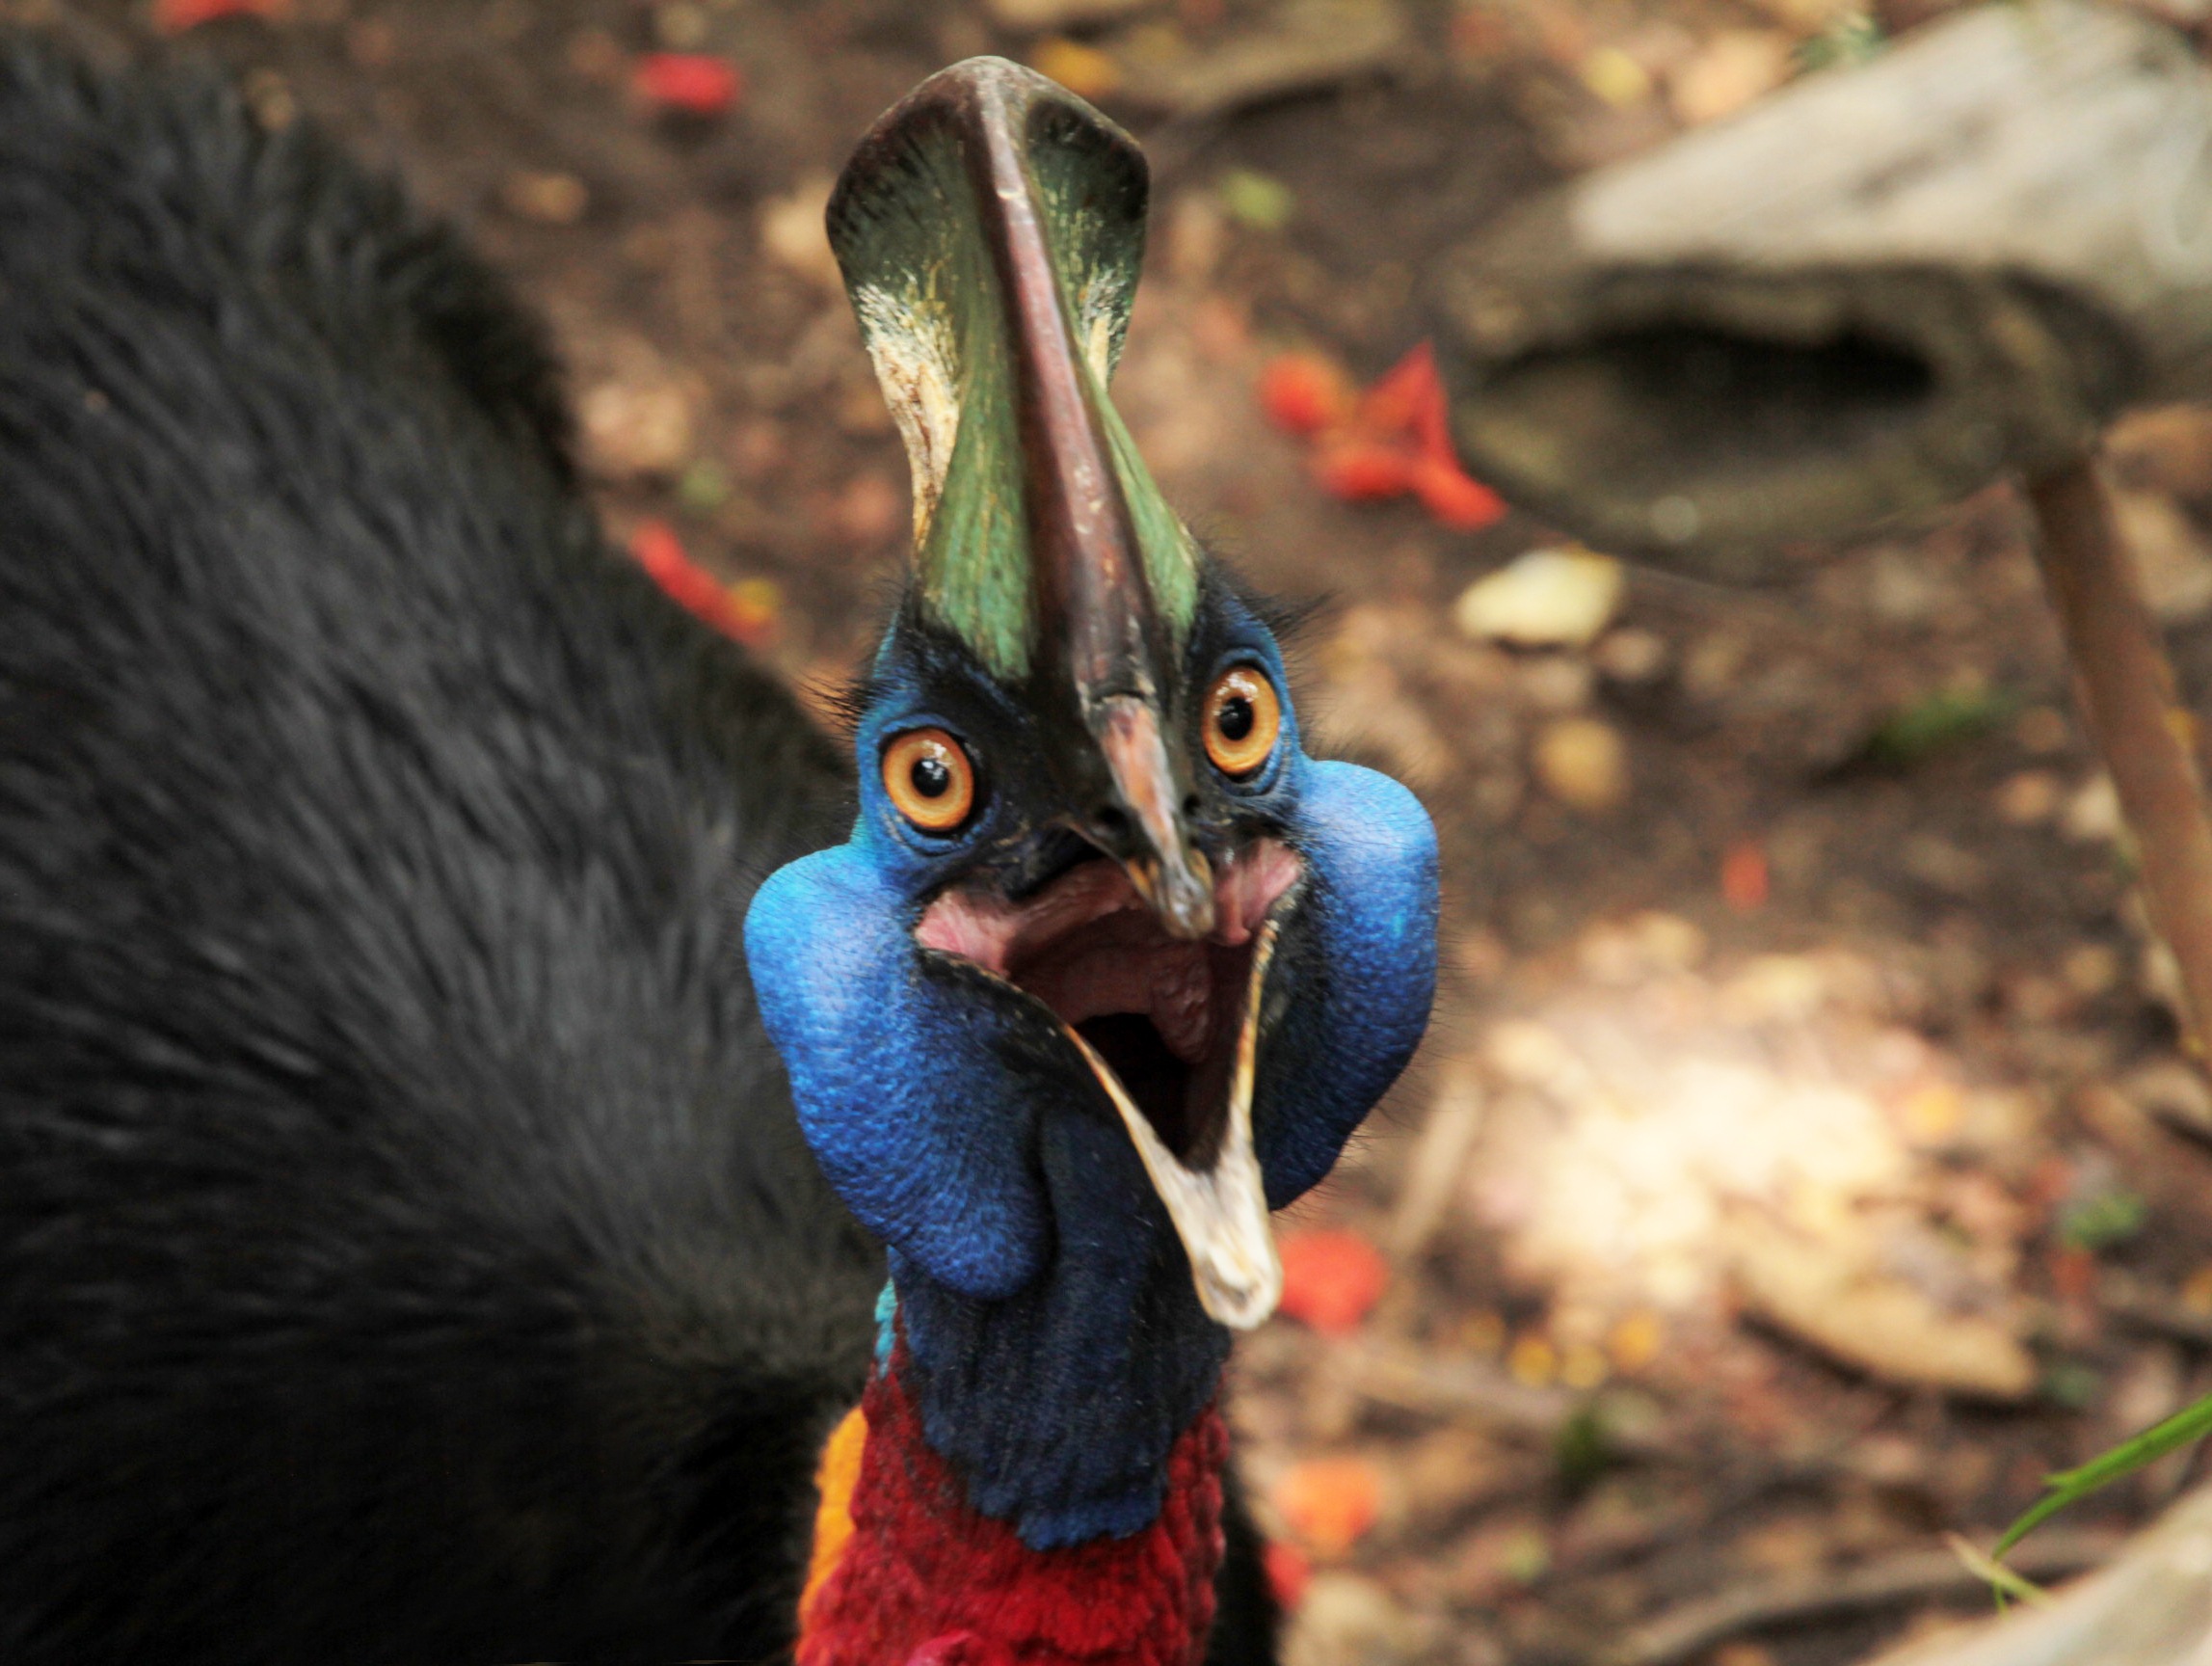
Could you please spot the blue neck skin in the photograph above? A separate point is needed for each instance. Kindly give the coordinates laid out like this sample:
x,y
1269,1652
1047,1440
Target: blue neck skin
x,y
1056,1345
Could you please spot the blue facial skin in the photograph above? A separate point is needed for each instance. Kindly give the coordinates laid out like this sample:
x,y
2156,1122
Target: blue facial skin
x,y
1056,1347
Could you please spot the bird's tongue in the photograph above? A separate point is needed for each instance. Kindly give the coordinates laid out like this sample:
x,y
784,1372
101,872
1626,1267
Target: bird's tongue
x,y
1169,1027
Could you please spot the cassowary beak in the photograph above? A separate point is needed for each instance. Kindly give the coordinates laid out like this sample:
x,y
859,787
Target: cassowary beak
x,y
1168,869
990,228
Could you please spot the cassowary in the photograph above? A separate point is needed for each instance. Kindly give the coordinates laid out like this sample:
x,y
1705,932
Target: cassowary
x,y
455,1082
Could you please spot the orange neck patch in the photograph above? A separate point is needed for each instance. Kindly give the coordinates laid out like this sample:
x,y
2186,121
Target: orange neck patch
x,y
840,1469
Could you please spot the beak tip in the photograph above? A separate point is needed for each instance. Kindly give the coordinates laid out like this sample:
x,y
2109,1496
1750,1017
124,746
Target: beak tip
x,y
1242,1305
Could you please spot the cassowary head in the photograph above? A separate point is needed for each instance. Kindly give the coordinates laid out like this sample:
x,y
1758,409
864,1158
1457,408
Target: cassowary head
x,y
1109,964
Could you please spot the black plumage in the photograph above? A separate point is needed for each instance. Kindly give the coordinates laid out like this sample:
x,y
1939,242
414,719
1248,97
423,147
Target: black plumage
x,y
406,1249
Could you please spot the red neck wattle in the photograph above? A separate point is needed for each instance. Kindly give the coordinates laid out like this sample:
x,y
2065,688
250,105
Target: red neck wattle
x,y
925,1580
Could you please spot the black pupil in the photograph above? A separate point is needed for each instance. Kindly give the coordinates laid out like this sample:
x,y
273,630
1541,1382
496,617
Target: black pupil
x,y
931,777
1237,717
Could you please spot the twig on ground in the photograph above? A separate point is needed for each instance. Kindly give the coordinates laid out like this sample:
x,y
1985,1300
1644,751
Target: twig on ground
x,y
1687,1632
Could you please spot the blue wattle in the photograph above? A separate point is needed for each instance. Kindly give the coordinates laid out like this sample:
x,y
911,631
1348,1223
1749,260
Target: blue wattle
x,y
1356,972
906,1072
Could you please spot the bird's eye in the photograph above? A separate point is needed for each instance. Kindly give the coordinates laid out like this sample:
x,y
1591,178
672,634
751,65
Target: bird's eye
x,y
929,777
1242,718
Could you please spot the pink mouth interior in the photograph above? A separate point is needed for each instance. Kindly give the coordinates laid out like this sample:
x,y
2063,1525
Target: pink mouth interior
x,y
1163,1013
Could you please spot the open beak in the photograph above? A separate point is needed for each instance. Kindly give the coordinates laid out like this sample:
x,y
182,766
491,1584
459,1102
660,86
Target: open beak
x,y
1169,1025
1219,1211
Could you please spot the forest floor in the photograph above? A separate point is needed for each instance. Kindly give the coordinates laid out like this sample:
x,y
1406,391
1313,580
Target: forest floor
x,y
1802,1164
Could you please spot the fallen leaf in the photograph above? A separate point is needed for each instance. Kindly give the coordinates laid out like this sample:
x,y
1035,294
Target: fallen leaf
x,y
1329,1502
1583,762
692,83
1839,1292
175,17
1331,1280
637,425
551,199
1544,599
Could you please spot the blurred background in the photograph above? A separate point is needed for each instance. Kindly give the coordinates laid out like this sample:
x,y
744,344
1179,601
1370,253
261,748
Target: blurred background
x,y
1802,1163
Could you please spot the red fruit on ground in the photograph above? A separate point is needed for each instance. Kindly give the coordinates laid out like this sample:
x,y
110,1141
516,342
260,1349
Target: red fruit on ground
x,y
1288,1574
1454,497
695,83
660,552
1363,471
1331,1280
175,17
1408,401
1329,1502
1303,393
1394,439
1744,878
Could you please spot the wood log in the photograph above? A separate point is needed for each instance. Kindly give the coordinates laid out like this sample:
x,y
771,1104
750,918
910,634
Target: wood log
x,y
1870,295
2152,1606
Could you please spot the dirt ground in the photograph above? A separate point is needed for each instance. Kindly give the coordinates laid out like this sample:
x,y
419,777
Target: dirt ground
x,y
1802,1164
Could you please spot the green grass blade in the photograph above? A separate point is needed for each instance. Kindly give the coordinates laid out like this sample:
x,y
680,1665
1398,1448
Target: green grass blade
x,y
2067,1487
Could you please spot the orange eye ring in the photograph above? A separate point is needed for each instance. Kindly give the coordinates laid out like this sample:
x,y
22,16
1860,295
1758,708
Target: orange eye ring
x,y
1243,719
930,779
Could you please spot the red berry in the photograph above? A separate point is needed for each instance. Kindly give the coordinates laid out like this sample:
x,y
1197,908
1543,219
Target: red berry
x,y
1303,393
1330,1279
1453,497
175,17
692,82
1360,471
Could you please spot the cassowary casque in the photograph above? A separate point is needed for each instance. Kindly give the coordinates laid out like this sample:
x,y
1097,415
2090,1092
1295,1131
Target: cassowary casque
x,y
416,934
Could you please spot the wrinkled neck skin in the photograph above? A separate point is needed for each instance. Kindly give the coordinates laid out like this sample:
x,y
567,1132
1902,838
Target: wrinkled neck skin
x,y
1054,1348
